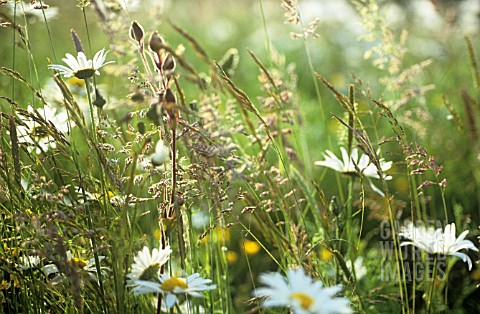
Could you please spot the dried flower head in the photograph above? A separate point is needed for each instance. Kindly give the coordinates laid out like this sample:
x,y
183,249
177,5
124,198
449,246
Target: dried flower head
x,y
291,11
137,32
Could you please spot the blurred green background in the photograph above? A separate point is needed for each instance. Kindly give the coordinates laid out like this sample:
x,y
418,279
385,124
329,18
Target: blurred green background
x,y
436,31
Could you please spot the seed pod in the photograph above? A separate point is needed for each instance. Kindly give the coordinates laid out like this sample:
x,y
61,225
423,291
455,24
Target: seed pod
x,y
170,97
156,42
99,100
136,32
180,201
169,105
169,63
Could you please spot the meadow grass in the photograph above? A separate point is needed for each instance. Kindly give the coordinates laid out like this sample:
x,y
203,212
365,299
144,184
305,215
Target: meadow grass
x,y
157,170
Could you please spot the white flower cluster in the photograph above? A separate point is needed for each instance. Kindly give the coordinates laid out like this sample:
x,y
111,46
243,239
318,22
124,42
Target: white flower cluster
x,y
35,134
145,277
437,241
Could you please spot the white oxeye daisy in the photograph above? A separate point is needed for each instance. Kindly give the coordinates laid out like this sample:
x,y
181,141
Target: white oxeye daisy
x,y
38,135
81,67
438,242
358,267
35,11
355,166
161,154
192,285
300,293
29,262
130,5
143,278
87,267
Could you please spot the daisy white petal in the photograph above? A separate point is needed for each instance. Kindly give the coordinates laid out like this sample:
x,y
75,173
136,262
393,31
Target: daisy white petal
x,y
301,293
63,69
161,154
72,62
353,164
99,57
29,262
438,242
170,300
147,265
465,258
193,285
374,187
37,125
144,287
347,161
364,162
81,67
462,235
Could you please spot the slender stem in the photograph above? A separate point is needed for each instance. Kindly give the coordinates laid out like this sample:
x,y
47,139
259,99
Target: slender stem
x,y
265,30
444,203
351,121
90,104
174,174
159,302
348,252
89,217
163,244
14,46
174,204
402,284
50,37
432,285
86,28
147,68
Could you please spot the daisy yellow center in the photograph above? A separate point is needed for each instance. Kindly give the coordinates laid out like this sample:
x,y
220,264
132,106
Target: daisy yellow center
x,y
76,82
171,283
77,262
305,300
150,272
